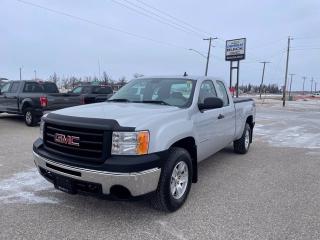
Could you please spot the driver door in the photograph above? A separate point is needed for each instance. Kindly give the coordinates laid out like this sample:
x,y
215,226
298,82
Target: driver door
x,y
208,125
3,97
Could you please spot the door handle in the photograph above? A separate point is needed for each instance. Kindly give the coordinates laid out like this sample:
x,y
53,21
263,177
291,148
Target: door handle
x,y
220,116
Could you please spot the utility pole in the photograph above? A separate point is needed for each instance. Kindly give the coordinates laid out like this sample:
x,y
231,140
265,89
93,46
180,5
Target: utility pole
x,y
99,70
264,66
315,86
208,56
286,76
35,75
311,85
304,80
291,75
20,73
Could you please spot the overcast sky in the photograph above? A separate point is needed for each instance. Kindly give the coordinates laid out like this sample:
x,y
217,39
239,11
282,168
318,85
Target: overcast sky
x,y
37,39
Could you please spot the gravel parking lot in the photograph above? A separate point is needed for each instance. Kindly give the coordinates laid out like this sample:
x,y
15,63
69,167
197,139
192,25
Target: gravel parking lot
x,y
273,192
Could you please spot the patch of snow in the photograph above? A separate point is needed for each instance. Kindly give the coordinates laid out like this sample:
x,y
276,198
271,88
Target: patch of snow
x,y
166,227
287,136
25,187
313,153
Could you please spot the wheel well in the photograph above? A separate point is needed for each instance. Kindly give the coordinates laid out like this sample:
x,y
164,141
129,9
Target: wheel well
x,y
251,124
189,144
250,121
25,105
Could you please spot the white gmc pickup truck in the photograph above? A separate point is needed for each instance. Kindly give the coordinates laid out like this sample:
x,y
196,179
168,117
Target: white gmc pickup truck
x,y
146,140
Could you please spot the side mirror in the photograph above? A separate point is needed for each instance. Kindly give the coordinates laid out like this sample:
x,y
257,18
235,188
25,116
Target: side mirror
x,y
211,103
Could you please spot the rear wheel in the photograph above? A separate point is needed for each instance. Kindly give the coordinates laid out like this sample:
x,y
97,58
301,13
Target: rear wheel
x,y
175,181
29,117
242,145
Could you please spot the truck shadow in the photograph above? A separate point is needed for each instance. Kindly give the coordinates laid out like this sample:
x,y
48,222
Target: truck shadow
x,y
12,118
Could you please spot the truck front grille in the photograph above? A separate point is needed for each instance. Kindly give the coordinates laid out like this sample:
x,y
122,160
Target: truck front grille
x,y
81,143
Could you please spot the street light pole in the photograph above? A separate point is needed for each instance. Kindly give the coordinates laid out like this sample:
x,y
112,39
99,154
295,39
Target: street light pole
x,y
202,55
35,75
20,73
311,85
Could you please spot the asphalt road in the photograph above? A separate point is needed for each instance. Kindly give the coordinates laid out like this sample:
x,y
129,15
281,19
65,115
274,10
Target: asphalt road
x,y
273,192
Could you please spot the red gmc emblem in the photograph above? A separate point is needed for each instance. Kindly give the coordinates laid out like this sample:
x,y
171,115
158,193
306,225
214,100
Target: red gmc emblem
x,y
67,140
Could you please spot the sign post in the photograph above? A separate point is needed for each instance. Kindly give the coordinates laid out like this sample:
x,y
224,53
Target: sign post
x,y
235,52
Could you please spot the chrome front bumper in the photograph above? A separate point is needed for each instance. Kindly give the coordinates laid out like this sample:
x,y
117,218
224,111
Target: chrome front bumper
x,y
138,183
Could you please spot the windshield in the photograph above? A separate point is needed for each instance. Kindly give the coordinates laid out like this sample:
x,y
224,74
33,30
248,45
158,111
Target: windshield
x,y
166,91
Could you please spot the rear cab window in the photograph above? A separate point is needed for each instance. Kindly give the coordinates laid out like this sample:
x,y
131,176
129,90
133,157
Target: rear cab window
x,y
32,87
102,90
50,87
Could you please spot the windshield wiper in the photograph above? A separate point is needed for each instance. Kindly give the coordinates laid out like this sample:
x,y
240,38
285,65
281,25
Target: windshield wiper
x,y
119,100
155,102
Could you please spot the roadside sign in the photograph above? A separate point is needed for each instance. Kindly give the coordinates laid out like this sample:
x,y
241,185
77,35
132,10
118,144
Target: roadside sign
x,y
236,49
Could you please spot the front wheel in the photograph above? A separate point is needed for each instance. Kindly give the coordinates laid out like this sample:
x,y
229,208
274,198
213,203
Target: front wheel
x,y
242,145
175,181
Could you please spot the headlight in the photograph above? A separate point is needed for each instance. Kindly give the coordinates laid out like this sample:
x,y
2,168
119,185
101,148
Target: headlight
x,y
42,125
130,143
41,129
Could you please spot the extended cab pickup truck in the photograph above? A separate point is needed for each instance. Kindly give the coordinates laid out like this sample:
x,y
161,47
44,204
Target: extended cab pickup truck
x,y
31,99
93,93
147,139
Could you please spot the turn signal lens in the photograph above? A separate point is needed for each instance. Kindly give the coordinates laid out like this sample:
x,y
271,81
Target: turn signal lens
x,y
142,142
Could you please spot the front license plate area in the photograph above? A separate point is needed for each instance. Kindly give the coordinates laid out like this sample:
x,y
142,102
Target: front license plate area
x,y
65,184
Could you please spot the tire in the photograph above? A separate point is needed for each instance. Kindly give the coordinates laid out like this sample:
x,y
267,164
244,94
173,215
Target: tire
x,y
242,145
164,199
30,118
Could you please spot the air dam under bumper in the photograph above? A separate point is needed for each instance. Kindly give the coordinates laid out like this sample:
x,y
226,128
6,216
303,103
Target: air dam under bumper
x,y
138,183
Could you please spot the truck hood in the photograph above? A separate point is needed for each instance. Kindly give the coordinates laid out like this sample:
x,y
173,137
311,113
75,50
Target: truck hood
x,y
126,114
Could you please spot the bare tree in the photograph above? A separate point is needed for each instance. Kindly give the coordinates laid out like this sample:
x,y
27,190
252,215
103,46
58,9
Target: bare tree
x,y
105,78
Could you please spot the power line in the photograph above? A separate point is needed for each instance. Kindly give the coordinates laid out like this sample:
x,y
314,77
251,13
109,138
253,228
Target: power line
x,y
172,17
99,24
150,16
166,19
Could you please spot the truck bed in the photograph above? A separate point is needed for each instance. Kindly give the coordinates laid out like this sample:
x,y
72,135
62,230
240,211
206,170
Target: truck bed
x,y
242,99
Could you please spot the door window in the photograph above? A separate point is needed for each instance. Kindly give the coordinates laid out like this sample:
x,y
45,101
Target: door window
x,y
223,93
207,90
14,88
77,90
5,88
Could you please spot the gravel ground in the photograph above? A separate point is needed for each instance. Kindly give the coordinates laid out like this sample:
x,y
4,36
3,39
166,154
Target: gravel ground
x,y
270,193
